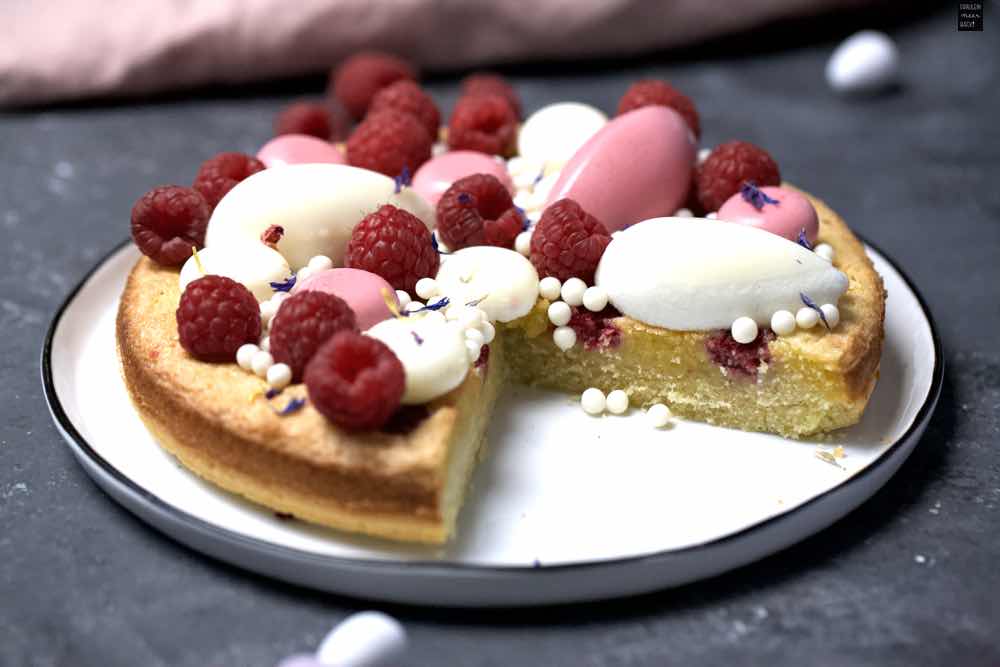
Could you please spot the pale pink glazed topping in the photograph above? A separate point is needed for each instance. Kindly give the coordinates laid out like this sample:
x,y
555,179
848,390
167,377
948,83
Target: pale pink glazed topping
x,y
360,289
299,149
437,174
636,167
787,218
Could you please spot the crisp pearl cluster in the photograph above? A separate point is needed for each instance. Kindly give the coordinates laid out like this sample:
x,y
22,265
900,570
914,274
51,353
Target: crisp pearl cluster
x,y
824,250
533,180
473,320
784,323
595,403
574,293
252,358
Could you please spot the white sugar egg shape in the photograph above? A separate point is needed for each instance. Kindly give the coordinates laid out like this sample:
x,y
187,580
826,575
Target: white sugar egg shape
x,y
866,61
693,274
317,205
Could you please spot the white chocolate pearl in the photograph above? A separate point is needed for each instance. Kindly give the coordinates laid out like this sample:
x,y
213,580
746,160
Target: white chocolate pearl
x,y
279,376
683,213
260,362
703,154
824,250
783,323
473,349
522,243
320,263
831,313
279,297
564,338
432,315
592,401
403,297
265,343
559,313
426,288
712,216
267,311
744,330
595,299
245,354
806,317
476,336
617,402
572,291
489,332
413,306
549,288
658,415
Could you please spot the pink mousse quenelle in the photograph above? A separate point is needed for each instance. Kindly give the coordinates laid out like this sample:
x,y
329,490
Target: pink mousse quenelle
x,y
364,292
299,149
437,174
777,210
636,167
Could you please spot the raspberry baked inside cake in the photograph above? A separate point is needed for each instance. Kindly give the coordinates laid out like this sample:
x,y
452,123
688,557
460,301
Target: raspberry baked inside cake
x,y
324,329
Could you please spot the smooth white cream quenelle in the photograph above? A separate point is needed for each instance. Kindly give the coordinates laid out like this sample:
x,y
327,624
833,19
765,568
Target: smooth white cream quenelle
x,y
693,274
317,205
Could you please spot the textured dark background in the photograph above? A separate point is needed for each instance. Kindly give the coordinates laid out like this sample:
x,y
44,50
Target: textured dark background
x,y
912,577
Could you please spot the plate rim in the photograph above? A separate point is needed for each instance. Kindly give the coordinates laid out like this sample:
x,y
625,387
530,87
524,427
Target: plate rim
x,y
85,452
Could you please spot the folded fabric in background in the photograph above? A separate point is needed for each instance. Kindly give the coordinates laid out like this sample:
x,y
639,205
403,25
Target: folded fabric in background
x,y
56,50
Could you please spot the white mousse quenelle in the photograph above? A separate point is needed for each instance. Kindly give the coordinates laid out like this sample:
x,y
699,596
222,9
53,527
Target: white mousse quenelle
x,y
317,206
433,353
503,282
693,274
253,264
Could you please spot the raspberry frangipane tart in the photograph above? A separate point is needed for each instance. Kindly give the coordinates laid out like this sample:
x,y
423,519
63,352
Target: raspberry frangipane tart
x,y
333,346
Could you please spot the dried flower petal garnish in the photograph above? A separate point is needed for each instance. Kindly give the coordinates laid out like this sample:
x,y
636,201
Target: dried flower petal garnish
x,y
827,457
437,305
803,241
812,304
437,246
755,196
839,453
197,260
464,198
293,405
285,286
417,338
476,302
391,303
272,235
403,180
271,393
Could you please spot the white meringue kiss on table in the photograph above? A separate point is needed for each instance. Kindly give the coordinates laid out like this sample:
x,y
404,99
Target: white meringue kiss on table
x,y
365,639
693,274
865,62
317,206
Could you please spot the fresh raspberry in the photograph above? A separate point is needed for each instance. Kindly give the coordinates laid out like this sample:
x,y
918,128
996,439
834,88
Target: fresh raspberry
x,y
568,242
661,93
219,174
395,244
739,359
303,323
167,221
215,317
358,78
482,83
387,141
729,166
355,381
408,97
478,210
596,331
304,118
483,122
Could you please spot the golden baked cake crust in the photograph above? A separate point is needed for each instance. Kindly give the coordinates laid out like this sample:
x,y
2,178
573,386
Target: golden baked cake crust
x,y
816,380
409,486
216,421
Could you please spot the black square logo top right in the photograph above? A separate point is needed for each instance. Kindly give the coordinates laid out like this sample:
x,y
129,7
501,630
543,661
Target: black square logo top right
x,y
970,17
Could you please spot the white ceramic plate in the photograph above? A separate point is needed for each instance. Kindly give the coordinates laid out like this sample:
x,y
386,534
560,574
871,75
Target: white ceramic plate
x,y
565,507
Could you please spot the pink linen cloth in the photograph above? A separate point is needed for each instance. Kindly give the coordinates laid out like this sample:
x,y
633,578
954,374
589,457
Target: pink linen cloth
x,y
64,49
